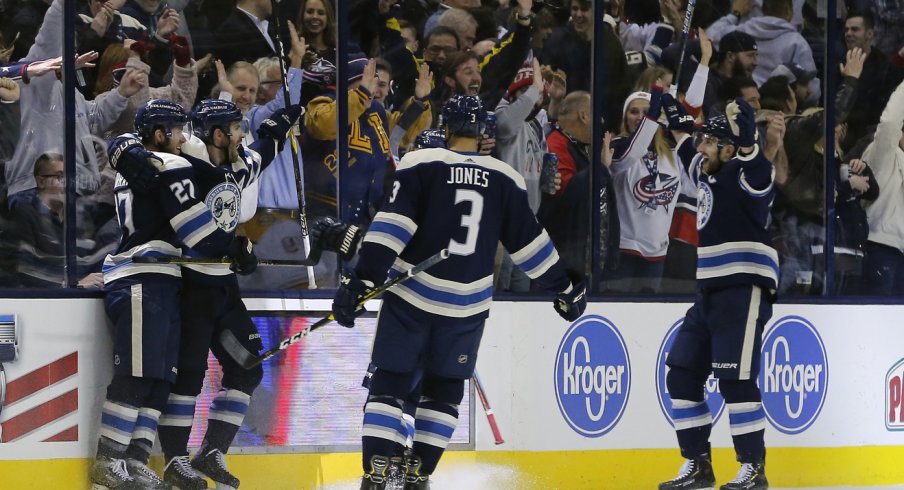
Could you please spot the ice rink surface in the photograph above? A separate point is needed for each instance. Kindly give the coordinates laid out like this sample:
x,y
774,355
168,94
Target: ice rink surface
x,y
479,476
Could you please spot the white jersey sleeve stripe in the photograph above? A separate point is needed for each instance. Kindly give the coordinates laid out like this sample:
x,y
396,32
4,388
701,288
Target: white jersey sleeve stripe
x,y
537,257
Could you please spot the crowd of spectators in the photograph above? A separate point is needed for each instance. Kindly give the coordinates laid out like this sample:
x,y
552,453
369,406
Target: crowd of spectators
x,y
530,61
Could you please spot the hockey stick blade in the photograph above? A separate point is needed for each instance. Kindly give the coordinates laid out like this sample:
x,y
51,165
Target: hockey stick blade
x,y
312,259
248,360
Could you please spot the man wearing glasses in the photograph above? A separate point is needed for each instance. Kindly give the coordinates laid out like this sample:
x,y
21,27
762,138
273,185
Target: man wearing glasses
x,y
38,229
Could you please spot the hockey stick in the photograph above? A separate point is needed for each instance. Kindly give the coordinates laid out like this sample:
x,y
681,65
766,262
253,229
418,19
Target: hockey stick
x,y
491,417
299,186
312,259
249,360
688,16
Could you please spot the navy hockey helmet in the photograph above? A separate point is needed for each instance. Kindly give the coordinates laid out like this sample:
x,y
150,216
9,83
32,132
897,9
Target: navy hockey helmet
x,y
430,138
213,113
716,127
463,115
159,113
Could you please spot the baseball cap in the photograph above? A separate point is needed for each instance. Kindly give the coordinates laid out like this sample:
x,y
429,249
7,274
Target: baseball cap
x,y
736,42
793,72
524,78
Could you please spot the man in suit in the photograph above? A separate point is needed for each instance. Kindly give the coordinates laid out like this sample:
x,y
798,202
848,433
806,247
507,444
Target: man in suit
x,y
246,34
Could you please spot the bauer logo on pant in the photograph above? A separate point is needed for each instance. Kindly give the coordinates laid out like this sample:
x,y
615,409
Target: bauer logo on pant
x,y
894,397
592,376
714,399
794,374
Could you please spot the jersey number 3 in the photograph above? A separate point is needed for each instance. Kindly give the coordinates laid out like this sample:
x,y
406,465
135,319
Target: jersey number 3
x,y
470,221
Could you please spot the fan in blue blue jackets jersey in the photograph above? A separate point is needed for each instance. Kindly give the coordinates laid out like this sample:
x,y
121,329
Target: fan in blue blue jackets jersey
x,y
158,213
737,273
211,301
433,322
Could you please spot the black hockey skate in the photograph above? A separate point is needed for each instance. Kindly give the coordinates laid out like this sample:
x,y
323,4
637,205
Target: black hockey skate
x,y
375,479
213,464
751,476
145,476
695,474
415,480
111,474
179,474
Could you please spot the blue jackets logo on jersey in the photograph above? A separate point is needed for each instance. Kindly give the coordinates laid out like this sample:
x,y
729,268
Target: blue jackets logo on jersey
x,y
794,374
225,201
704,203
656,189
714,399
592,376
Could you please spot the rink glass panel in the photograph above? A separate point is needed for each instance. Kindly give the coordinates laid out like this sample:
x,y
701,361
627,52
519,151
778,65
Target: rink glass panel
x,y
311,396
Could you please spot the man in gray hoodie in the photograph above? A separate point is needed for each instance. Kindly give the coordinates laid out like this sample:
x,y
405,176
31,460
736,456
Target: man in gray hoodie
x,y
778,41
521,142
43,118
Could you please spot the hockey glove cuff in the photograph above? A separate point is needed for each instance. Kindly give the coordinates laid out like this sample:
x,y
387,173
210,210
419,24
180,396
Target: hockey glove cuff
x,y
136,164
241,251
335,236
345,303
570,304
277,126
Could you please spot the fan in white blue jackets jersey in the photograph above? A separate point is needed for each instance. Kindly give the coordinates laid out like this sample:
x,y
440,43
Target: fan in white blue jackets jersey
x,y
737,273
432,323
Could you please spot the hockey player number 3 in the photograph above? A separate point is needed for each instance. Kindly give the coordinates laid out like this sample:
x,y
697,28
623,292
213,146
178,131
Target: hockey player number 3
x,y
471,221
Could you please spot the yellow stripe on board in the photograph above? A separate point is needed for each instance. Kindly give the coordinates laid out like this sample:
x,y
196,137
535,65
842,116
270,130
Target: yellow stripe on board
x,y
573,470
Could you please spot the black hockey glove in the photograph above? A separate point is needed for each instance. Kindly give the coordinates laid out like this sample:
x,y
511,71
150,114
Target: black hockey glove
x,y
742,121
677,116
136,164
345,304
570,304
335,236
277,126
241,251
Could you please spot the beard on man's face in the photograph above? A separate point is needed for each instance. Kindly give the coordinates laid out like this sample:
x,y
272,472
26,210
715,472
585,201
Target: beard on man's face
x,y
738,70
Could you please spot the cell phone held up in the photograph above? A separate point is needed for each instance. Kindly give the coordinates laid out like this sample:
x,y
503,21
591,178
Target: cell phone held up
x,y
548,173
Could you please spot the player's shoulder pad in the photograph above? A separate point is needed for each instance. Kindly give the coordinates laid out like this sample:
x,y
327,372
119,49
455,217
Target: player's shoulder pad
x,y
449,157
171,162
193,146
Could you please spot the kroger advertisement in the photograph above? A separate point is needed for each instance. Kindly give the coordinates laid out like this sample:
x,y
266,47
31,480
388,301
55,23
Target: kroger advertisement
x,y
831,376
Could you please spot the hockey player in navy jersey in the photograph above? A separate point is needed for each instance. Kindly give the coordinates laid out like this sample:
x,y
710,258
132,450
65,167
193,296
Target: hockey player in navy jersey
x,y
737,274
211,301
432,324
158,213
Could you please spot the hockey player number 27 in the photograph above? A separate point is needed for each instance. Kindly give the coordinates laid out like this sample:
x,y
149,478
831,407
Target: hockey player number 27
x,y
471,221
183,190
